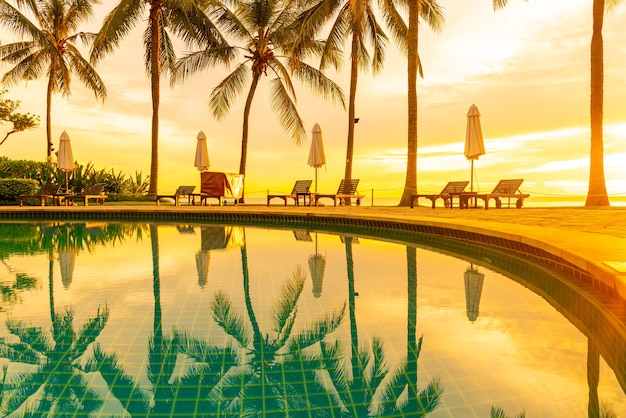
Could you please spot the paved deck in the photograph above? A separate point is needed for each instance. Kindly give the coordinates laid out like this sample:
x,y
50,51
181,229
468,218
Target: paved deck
x,y
594,239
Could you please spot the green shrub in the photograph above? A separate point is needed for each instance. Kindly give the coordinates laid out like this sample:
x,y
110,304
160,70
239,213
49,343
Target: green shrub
x,y
11,189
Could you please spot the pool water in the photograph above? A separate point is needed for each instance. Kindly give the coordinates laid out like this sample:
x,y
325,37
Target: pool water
x,y
147,319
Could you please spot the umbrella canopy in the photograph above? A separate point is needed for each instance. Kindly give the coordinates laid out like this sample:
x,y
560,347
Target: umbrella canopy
x,y
317,265
67,260
473,290
202,154
203,258
316,154
474,146
65,158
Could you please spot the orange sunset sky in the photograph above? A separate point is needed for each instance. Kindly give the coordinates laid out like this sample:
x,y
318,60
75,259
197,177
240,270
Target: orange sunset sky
x,y
526,68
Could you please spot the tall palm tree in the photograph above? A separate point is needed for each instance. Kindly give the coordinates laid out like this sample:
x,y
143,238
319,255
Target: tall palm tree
x,y
182,18
51,49
58,382
267,32
596,192
431,13
354,20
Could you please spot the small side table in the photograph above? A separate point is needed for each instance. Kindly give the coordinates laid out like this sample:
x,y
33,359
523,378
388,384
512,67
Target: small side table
x,y
465,197
304,196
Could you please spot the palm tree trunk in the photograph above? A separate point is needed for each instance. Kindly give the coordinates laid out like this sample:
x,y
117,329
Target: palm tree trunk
x,y
354,74
155,82
596,194
593,377
244,135
410,184
51,286
157,357
412,349
49,117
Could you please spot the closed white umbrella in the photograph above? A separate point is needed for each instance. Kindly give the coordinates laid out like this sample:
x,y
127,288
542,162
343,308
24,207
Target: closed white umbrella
x,y
202,162
473,290
316,154
67,259
65,159
317,265
474,146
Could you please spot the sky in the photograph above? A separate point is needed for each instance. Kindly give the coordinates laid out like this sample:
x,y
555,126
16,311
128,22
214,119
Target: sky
x,y
525,67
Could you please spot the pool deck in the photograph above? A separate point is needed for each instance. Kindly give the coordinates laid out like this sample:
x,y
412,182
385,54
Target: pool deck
x,y
593,239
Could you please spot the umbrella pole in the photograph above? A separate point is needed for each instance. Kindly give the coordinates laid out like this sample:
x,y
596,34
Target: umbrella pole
x,y
66,183
315,180
472,176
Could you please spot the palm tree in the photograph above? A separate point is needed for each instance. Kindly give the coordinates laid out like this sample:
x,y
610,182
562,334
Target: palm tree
x,y
183,18
169,394
267,33
431,13
278,373
58,379
356,20
596,192
419,402
51,49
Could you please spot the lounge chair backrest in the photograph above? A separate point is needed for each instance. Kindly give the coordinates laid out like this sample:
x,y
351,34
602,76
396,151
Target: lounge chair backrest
x,y
49,189
301,186
185,190
348,188
455,187
93,189
507,186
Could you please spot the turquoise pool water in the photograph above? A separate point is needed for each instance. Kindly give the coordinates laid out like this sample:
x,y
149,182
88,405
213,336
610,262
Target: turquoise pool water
x,y
182,319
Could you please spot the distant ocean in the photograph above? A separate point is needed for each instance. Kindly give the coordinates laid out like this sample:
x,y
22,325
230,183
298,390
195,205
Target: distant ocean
x,y
531,202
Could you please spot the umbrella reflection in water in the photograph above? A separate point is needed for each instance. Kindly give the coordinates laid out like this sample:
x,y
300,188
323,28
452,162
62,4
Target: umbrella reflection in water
x,y
317,265
473,290
215,238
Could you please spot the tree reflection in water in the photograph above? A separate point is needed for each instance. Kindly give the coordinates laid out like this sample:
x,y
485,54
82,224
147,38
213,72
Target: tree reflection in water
x,y
57,386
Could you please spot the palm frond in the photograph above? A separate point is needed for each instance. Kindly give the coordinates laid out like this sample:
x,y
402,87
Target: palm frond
x,y
24,386
285,107
91,330
431,12
188,21
86,73
377,38
394,21
379,366
226,91
429,398
194,62
228,320
18,23
117,24
78,12
319,330
391,392
285,306
123,386
32,336
319,83
29,68
334,41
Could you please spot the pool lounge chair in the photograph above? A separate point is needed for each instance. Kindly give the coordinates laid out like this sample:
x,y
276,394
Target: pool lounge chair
x,y
180,192
505,189
448,192
92,191
300,190
47,191
345,191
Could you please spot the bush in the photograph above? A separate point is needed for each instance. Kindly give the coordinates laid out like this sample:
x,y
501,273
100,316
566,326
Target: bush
x,y
12,189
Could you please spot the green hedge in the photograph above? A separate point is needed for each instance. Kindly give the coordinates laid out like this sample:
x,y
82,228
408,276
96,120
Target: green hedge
x,y
11,189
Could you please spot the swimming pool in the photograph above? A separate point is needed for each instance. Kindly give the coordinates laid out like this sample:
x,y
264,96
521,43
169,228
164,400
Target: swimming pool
x,y
200,319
